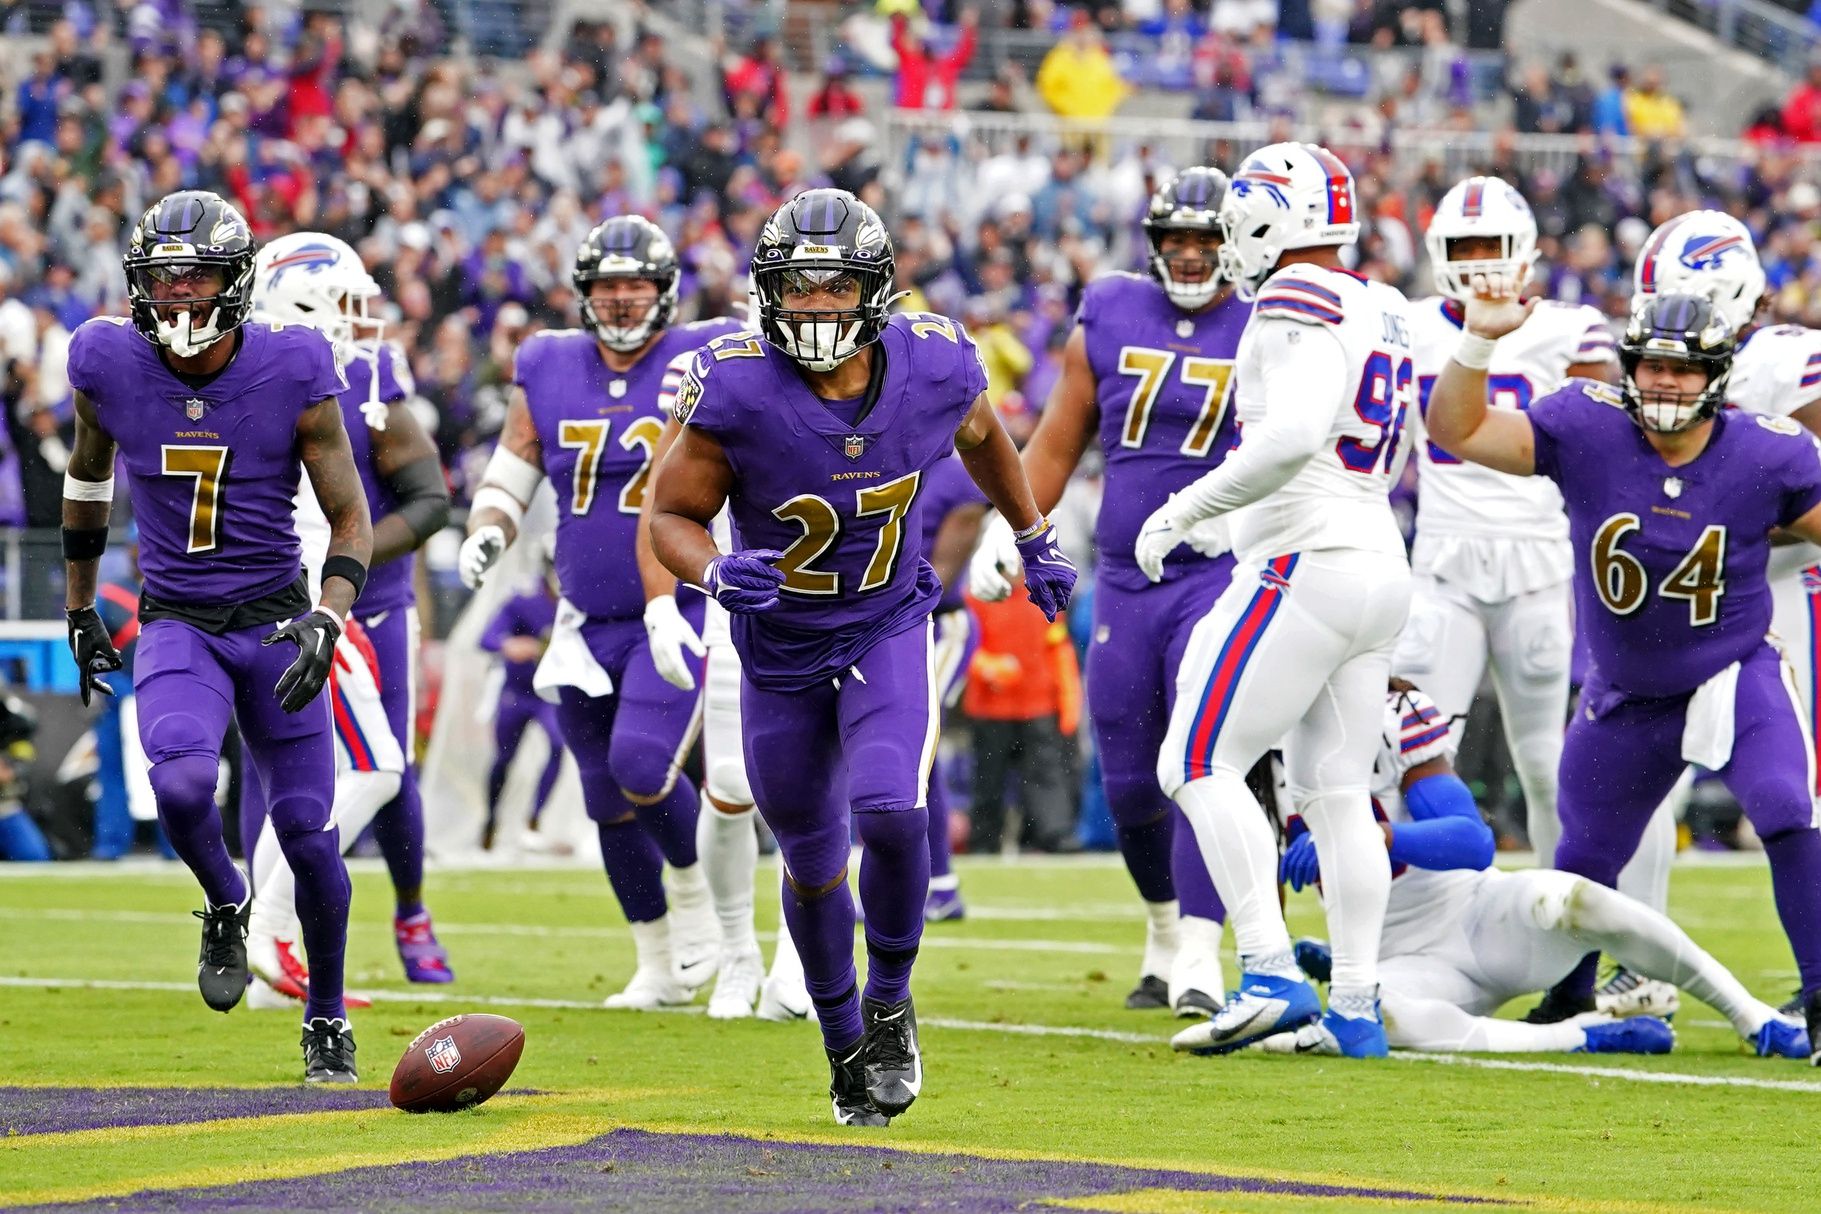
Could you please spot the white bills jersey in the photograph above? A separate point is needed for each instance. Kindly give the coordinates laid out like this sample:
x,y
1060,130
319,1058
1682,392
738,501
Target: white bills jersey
x,y
1424,904
1776,371
1339,498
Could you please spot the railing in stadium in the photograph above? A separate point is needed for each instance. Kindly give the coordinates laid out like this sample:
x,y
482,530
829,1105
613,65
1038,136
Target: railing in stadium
x,y
1769,31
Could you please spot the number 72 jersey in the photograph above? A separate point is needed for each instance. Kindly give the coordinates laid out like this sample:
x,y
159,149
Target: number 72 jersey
x,y
597,429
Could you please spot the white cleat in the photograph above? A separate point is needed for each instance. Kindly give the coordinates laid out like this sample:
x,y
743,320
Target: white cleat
x,y
782,1000
650,990
695,930
737,985
1631,994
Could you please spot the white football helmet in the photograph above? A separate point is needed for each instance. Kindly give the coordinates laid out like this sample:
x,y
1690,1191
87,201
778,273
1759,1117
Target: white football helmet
x,y
1481,207
1706,253
311,278
1286,196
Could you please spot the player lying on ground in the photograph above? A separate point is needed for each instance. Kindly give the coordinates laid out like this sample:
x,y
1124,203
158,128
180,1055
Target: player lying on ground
x,y
1462,938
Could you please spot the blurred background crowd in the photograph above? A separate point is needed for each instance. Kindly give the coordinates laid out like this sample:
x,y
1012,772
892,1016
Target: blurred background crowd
x,y
465,147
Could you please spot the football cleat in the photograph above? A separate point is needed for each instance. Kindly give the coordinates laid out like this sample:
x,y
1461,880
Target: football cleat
x,y
1635,1035
893,1063
424,956
221,967
1332,1036
1557,1007
1811,1012
1151,994
943,905
847,1088
1792,1006
1631,994
781,999
1314,958
736,985
695,932
328,1049
1262,1007
649,990
1781,1039
274,961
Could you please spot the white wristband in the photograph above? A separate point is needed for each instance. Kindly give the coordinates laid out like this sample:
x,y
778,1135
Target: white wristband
x,y
1475,352
497,498
87,491
341,625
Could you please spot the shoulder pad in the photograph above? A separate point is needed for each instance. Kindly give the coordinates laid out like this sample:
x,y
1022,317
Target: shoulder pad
x,y
1297,297
1779,425
741,344
1600,393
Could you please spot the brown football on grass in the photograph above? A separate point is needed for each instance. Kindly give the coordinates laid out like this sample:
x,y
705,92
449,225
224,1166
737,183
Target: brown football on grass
x,y
457,1063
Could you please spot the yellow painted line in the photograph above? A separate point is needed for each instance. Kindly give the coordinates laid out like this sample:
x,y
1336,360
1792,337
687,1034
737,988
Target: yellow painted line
x,y
1190,1201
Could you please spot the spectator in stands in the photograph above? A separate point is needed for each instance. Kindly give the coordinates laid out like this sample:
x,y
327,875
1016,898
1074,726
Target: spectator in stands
x,y
1651,112
834,98
759,74
926,72
1246,20
1802,109
1609,116
1077,78
1537,106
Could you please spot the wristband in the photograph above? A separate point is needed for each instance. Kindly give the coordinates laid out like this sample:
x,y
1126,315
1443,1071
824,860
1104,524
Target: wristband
x,y
87,491
84,543
492,496
1035,529
341,625
1475,352
347,568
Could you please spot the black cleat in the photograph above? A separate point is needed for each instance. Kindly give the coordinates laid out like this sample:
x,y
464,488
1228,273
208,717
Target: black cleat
x,y
847,1088
1793,1007
328,1049
894,1065
221,968
1557,1007
1192,1004
1152,994
1811,1011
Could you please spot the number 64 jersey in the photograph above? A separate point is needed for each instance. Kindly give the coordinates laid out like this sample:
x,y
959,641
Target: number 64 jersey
x,y
839,495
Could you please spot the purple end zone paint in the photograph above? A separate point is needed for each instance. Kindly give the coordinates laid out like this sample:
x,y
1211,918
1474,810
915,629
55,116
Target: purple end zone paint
x,y
58,1110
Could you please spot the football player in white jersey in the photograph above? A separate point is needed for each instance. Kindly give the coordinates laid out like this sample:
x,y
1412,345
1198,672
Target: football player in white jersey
x,y
1462,938
1299,646
313,279
1492,561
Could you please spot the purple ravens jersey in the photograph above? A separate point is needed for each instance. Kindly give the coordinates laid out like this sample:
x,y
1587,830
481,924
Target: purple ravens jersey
x,y
212,469
532,614
1164,384
841,500
1669,563
388,585
598,428
946,488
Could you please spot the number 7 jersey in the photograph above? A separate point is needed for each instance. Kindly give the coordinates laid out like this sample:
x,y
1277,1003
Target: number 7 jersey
x,y
597,429
843,500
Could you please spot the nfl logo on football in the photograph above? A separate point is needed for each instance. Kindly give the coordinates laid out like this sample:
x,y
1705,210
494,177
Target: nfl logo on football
x,y
855,446
443,1055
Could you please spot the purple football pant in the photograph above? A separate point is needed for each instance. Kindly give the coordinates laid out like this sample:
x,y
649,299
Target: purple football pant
x,y
855,752
189,682
399,827
629,748
517,712
1622,756
1139,640
956,642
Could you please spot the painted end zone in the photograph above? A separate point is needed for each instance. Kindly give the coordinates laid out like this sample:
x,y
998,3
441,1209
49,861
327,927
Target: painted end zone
x,y
54,1110
637,1170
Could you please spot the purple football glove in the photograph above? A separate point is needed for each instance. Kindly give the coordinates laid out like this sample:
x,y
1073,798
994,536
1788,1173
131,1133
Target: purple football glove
x,y
746,582
1049,576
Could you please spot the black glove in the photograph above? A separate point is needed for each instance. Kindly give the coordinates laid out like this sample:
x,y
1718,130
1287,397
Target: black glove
x,y
314,633
94,651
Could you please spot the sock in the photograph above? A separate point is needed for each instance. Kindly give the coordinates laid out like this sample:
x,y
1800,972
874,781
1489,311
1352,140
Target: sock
x,y
729,847
635,870
822,927
1161,939
946,883
252,809
1195,892
670,821
786,967
274,888
1241,856
1354,1002
1795,877
894,884
185,790
323,894
1355,886
1146,849
651,944
1578,983
936,803
399,831
496,784
1278,964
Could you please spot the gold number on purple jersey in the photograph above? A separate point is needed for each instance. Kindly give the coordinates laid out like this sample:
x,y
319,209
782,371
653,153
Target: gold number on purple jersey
x,y
641,435
1700,578
821,525
1150,366
209,465
1215,376
892,499
588,439
928,324
736,345
1618,576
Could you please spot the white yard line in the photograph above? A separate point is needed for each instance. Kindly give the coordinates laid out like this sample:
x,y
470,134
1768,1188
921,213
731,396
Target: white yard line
x,y
1613,1072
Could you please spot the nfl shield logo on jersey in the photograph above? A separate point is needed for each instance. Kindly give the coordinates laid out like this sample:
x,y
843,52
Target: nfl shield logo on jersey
x,y
194,408
443,1055
617,388
854,447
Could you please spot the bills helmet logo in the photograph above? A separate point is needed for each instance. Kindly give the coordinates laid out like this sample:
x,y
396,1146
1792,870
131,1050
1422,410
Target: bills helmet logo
x,y
307,259
1708,252
443,1056
1257,177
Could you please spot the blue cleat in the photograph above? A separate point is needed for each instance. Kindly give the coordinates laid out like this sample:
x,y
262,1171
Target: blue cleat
x,y
1636,1035
1261,1007
1333,1036
1314,958
1781,1039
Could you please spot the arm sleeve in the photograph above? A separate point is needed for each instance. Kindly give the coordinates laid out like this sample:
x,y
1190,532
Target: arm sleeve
x,y
1305,372
1446,831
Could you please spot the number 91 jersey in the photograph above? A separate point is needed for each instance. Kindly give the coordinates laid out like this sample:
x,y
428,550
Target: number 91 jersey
x,y
597,429
842,500
1456,498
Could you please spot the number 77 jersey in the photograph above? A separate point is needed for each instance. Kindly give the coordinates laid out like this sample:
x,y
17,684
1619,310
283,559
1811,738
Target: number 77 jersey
x,y
1339,498
598,429
841,496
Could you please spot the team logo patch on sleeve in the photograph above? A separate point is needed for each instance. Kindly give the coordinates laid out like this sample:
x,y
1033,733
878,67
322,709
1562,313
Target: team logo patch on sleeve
x,y
442,1055
689,395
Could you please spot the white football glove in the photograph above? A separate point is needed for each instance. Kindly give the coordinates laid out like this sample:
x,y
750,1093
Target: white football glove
x,y
1210,537
669,635
995,562
480,552
1159,537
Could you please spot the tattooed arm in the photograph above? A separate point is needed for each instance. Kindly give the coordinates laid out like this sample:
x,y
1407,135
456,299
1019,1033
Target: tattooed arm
x,y
407,462
322,445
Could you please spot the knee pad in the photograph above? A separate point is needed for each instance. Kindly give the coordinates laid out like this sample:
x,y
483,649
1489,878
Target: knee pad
x,y
898,831
727,782
1545,654
185,781
643,768
172,735
1776,804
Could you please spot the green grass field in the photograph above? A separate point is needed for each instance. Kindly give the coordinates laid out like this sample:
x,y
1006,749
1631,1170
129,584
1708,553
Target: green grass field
x,y
1029,1056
